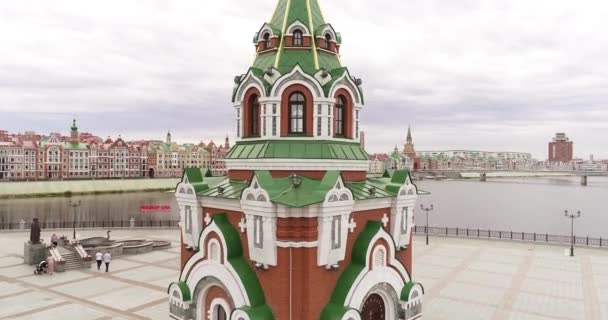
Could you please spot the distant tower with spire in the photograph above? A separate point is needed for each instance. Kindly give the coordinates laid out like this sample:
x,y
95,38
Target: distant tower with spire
x,y
74,136
408,147
168,140
227,143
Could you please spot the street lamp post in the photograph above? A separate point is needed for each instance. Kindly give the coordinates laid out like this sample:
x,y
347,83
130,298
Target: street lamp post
x,y
572,216
426,227
74,205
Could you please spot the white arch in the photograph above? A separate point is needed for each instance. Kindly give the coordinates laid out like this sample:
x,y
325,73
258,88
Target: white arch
x,y
298,25
371,279
249,81
338,84
215,303
297,76
212,269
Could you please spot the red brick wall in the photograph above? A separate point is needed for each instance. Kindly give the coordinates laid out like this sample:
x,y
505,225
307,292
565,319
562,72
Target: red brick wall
x,y
310,285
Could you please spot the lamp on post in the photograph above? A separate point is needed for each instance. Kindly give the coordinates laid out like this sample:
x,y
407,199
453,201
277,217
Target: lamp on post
x,y
74,205
572,216
426,227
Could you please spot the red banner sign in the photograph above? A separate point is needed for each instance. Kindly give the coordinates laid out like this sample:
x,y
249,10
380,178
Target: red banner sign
x,y
155,208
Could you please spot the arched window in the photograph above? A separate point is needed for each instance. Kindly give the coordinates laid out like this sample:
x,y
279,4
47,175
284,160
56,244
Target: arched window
x,y
339,116
297,105
254,116
297,38
379,257
267,41
327,41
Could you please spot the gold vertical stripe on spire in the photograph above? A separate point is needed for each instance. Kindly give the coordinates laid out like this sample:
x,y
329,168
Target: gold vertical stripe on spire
x,y
278,58
313,38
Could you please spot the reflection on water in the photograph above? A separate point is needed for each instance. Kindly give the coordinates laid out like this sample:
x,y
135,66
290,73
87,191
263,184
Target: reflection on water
x,y
109,207
522,205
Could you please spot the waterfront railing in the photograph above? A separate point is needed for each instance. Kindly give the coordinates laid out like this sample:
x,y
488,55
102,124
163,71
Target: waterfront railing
x,y
511,235
21,225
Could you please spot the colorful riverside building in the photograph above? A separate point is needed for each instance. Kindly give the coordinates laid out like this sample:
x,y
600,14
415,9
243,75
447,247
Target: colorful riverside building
x,y
296,230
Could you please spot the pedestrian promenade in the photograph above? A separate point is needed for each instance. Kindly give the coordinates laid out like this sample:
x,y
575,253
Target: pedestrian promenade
x,y
463,279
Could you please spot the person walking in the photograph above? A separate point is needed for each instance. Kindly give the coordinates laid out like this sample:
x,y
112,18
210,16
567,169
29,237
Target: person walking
x,y
107,258
50,265
98,258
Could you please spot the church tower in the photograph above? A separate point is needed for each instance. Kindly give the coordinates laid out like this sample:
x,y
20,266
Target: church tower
x,y
296,230
74,135
408,147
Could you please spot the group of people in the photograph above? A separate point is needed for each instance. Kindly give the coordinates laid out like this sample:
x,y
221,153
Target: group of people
x,y
48,265
106,258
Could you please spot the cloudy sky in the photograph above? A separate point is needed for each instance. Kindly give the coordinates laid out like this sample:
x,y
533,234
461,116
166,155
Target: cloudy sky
x,y
467,74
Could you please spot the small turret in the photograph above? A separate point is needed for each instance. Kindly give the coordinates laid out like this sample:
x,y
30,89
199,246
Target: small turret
x,y
168,140
74,136
227,143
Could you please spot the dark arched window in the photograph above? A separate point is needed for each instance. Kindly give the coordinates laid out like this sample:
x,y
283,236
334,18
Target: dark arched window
x,y
254,116
297,38
267,41
339,116
327,41
297,106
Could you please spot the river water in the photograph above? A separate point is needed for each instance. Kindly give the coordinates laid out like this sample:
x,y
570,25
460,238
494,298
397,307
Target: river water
x,y
517,204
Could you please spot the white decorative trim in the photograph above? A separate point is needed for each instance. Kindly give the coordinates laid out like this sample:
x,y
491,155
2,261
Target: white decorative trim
x,y
249,81
225,273
285,82
218,302
340,84
256,204
299,25
297,244
368,279
297,164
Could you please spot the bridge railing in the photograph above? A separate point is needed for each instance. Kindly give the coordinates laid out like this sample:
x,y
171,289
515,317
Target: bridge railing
x,y
511,235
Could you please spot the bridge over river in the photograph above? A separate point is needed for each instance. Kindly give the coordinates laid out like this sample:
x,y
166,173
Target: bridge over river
x,y
482,174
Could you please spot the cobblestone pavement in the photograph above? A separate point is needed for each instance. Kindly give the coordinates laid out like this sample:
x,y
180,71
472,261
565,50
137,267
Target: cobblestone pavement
x,y
463,279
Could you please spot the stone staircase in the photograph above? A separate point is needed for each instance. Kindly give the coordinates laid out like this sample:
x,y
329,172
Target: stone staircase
x,y
71,258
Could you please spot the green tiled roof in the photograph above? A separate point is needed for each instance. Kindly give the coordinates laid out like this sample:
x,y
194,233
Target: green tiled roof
x,y
311,191
361,190
196,176
286,13
297,149
222,187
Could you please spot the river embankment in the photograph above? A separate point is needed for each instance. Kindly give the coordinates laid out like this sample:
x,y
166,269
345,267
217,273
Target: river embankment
x,y
34,189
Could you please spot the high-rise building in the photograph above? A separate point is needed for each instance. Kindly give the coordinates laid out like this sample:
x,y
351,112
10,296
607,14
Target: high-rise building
x,y
296,230
561,148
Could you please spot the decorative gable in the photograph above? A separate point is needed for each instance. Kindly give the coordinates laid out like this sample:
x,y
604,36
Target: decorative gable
x,y
334,225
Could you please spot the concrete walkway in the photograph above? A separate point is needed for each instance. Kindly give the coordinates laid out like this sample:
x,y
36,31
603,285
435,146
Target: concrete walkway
x,y
463,279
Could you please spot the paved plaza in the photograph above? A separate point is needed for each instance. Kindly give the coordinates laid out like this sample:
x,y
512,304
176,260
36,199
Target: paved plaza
x,y
463,279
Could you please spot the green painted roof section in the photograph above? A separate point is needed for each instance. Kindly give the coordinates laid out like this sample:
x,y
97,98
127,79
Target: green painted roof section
x,y
196,176
183,287
297,149
361,190
222,187
257,309
286,13
310,191
279,14
335,309
405,292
